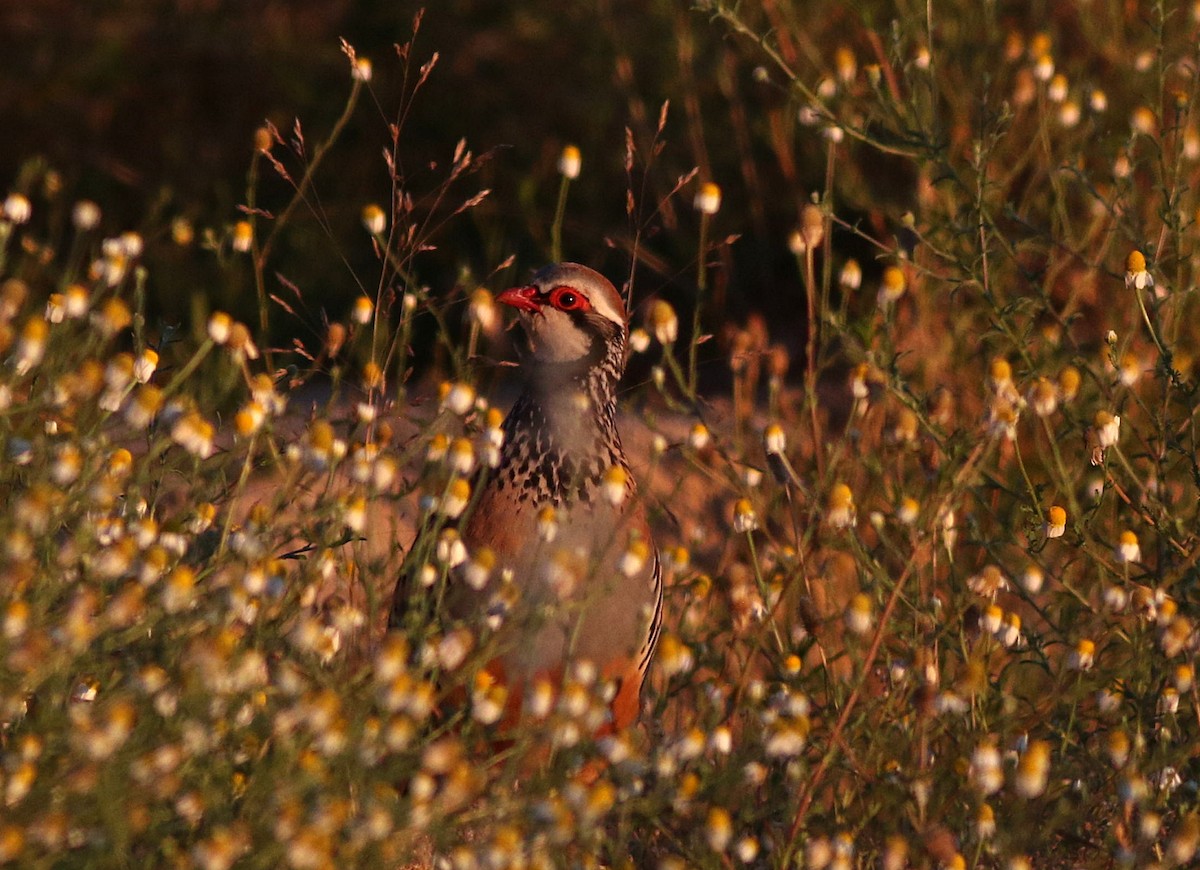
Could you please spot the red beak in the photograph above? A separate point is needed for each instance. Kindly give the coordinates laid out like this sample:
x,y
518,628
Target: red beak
x,y
522,298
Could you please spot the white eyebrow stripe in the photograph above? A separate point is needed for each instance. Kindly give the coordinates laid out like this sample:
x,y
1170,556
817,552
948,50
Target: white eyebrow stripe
x,y
602,304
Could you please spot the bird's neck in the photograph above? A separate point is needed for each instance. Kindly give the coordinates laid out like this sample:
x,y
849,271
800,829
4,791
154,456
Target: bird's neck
x,y
577,408
561,435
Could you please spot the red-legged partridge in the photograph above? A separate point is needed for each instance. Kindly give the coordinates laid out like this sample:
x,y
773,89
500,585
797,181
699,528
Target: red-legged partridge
x,y
560,512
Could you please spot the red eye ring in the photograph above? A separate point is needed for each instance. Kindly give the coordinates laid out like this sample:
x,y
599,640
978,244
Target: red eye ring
x,y
566,298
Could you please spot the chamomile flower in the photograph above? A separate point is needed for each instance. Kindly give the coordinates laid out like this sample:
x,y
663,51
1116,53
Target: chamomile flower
x,y
1056,522
570,161
839,508
615,485
1127,549
1083,657
1033,769
708,199
892,286
745,520
851,275
662,322
1136,275
1107,428
374,220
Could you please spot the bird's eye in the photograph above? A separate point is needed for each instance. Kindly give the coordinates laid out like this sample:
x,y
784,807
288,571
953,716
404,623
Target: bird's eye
x,y
567,299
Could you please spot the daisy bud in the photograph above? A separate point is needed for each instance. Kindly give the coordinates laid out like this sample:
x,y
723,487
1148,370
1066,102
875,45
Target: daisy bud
x,y
985,822
635,556
240,344
1127,548
1117,746
1010,632
663,322
708,199
1043,69
362,311
812,228
547,524
989,582
1032,769
1069,114
570,161
1130,369
992,619
219,326
354,514
243,236
718,829
17,209
85,215
195,435
744,518
1142,121
182,232
1068,383
1191,144
450,549
249,419
75,301
1044,397
146,403
614,485
458,398
374,219
746,849
1056,522
439,445
1083,656
774,439
892,287
840,507
479,568
31,346
1001,374
145,365
1136,275
851,275
458,495
859,616
673,656
1108,428
461,456
482,309
1056,91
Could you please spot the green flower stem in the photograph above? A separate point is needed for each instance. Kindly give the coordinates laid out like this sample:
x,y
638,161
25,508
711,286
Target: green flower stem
x,y
191,365
556,228
701,287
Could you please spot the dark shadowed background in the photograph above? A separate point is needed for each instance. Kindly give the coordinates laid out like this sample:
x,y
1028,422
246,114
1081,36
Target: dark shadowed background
x,y
150,106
